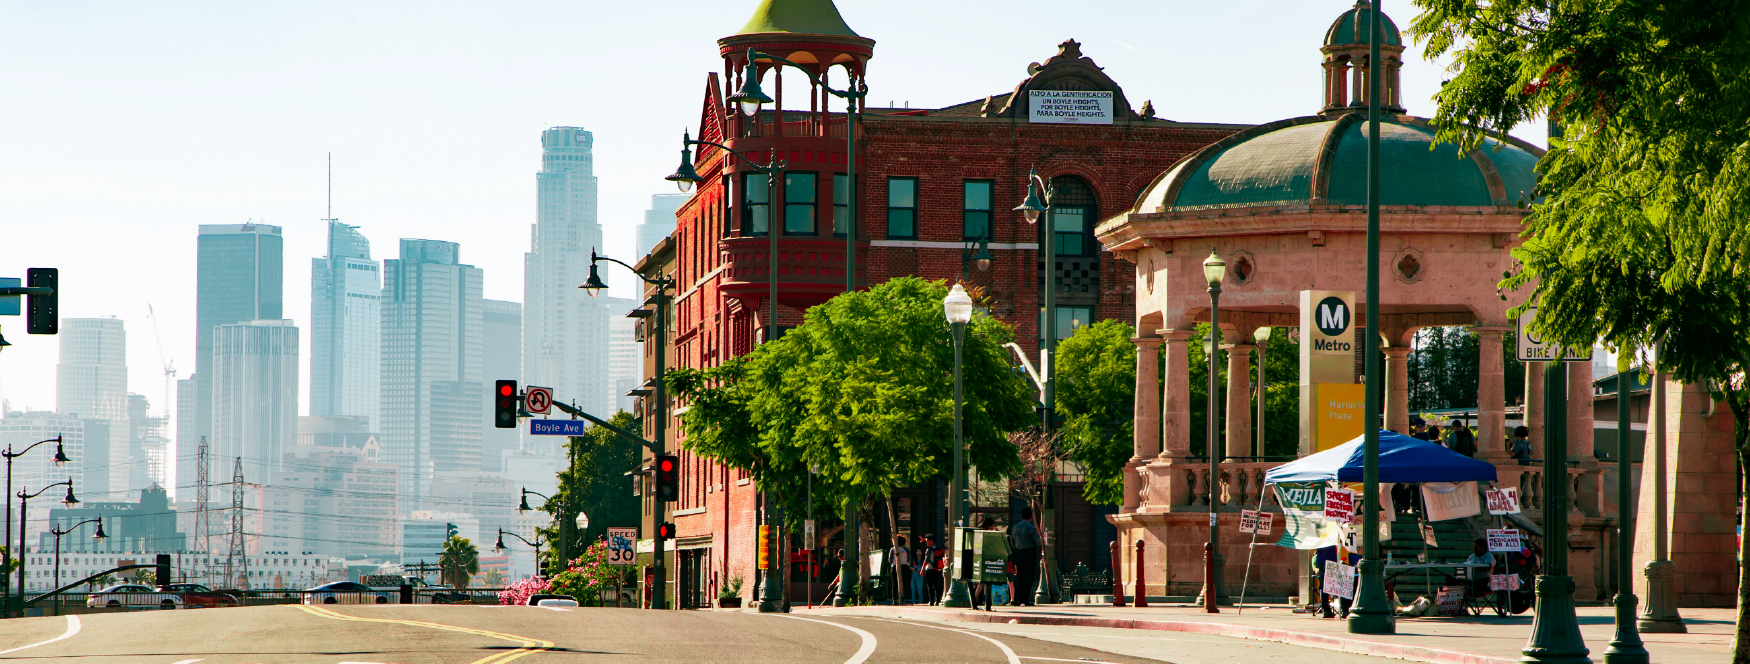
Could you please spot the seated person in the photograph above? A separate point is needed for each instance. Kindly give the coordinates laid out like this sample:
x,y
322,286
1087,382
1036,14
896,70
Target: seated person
x,y
1478,585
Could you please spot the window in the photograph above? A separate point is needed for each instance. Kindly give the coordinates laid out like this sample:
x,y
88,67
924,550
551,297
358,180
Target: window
x,y
728,203
841,205
902,208
975,215
1073,211
755,204
1068,320
799,194
1068,222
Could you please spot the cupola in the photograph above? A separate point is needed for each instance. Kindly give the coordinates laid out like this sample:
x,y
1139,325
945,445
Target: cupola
x,y
1346,66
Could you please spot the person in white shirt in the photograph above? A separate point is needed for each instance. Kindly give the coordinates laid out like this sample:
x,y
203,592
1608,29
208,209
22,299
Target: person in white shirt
x,y
901,560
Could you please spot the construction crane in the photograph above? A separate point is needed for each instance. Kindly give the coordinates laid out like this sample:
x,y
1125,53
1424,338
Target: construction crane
x,y
169,367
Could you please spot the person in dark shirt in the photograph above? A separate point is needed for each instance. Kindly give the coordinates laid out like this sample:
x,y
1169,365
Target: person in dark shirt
x,y
1026,558
1520,448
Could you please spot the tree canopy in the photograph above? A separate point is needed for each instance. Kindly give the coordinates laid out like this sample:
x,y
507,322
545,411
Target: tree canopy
x,y
863,390
1644,222
596,484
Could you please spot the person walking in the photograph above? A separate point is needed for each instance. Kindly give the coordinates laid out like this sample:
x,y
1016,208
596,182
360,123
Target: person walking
x,y
838,566
1025,557
901,557
1459,439
936,561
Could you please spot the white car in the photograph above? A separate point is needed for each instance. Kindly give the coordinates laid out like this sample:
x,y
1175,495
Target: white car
x,y
133,594
347,592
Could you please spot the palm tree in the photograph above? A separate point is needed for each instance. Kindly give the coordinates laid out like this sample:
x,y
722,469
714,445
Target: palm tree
x,y
460,560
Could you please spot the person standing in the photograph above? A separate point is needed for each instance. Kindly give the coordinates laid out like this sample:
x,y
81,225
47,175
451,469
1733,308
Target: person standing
x,y
931,560
1520,448
1460,440
1025,557
901,557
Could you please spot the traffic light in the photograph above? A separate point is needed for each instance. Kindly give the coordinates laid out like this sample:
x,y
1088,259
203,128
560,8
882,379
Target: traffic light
x,y
504,405
450,530
668,478
43,317
665,531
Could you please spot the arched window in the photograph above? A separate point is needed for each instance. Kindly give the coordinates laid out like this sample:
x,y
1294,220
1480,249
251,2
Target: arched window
x,y
1073,211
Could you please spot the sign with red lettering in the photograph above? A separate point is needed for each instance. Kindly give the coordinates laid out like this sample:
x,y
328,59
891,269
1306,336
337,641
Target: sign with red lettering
x,y
1339,505
1503,501
1504,582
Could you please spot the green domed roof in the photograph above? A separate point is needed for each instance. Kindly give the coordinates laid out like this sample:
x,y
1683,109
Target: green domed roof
x,y
808,17
1351,27
1313,161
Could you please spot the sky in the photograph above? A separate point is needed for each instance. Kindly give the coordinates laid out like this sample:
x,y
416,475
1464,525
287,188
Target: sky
x,y
126,125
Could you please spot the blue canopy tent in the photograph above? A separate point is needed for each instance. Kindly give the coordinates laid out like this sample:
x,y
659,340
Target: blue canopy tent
x,y
1402,460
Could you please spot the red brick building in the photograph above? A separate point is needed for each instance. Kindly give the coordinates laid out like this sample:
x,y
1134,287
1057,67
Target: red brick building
x,y
929,184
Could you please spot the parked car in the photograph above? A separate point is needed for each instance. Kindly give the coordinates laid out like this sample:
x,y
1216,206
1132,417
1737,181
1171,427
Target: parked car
x,y
196,596
346,592
133,594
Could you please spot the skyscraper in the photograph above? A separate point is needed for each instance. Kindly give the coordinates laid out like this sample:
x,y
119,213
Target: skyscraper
x,y
91,383
565,332
255,395
239,278
502,358
625,356
432,396
346,290
148,445
658,221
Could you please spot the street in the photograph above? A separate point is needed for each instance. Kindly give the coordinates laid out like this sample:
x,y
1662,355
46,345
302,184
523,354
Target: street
x,y
497,635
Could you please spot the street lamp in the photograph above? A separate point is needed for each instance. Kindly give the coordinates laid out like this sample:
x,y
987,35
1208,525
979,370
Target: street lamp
x,y
1214,270
57,532
978,254
500,547
1261,336
60,462
1625,646
24,497
663,286
1030,208
957,307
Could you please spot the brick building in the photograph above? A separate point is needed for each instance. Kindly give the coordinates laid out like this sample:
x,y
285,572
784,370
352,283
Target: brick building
x,y
931,184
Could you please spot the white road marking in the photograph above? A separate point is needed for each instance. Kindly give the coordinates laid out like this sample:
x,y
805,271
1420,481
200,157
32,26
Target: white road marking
x,y
72,628
864,652
192,661
1013,658
1055,659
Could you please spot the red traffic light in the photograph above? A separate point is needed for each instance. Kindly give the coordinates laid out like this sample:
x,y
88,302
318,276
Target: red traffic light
x,y
506,389
665,531
666,465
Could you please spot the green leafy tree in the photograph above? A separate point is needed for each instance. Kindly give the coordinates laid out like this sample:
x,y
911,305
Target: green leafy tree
x,y
595,483
459,561
1282,395
1644,223
589,576
863,389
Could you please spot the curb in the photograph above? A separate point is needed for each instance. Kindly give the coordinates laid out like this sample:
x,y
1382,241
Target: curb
x,y
1353,645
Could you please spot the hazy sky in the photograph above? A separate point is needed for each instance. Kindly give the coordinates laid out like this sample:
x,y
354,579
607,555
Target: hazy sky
x,y
125,125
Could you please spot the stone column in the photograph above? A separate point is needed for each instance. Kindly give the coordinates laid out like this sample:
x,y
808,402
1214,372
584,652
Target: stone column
x,y
1397,389
1580,411
1176,411
1534,406
1239,398
1491,396
1146,434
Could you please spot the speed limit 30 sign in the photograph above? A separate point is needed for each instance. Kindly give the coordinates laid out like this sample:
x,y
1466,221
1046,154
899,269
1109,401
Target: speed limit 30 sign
x,y
538,400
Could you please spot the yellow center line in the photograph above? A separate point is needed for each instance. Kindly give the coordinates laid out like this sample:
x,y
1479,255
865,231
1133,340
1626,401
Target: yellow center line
x,y
527,645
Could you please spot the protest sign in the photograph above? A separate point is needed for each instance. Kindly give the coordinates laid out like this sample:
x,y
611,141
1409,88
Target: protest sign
x,y
1303,523
1339,505
1451,599
1339,580
1502,539
1248,521
1428,535
1503,501
1503,582
1264,519
1447,501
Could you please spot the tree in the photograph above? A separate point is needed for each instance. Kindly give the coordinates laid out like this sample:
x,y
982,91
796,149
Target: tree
x,y
595,483
587,577
492,578
459,561
1644,222
862,389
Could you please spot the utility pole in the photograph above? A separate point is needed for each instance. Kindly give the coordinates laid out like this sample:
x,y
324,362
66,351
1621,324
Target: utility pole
x,y
237,560
203,529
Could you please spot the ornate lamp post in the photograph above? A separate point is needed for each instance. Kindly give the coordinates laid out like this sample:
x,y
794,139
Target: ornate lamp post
x,y
1261,336
1625,645
957,307
500,547
60,462
664,287
1214,270
1031,209
559,551
57,532
24,497
1555,629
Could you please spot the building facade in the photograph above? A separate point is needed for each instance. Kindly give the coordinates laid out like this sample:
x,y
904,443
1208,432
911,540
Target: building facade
x,y
239,278
148,445
91,383
333,501
658,220
148,525
565,332
502,359
432,396
37,468
346,289
255,396
932,186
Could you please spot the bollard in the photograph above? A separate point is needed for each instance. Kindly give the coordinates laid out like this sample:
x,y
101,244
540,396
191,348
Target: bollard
x,y
1141,587
1117,576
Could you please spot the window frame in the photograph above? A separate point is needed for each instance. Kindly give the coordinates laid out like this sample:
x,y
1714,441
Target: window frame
x,y
812,204
748,205
841,204
912,209
967,211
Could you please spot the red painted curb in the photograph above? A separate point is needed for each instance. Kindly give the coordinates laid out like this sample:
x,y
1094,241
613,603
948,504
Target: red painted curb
x,y
1309,639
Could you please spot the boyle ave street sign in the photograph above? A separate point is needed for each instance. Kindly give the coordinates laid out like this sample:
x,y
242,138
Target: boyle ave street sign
x,y
556,427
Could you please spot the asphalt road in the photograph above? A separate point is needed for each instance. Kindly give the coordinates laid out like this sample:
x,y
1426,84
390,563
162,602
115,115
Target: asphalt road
x,y
425,634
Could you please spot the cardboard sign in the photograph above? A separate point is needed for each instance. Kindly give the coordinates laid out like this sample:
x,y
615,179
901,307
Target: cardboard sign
x,y
1503,501
1264,519
1339,580
1447,501
1502,539
1249,521
1339,505
1451,599
1504,582
1428,536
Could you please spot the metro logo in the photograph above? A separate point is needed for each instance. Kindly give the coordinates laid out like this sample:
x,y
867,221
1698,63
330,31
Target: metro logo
x,y
1333,316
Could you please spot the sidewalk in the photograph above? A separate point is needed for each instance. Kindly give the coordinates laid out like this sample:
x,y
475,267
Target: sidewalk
x,y
1487,639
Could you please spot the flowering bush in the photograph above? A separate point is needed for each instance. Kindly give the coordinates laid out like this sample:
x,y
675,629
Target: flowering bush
x,y
519,593
589,575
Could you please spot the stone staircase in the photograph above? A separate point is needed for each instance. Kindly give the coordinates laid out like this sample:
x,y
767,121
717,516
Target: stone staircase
x,y
1406,545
